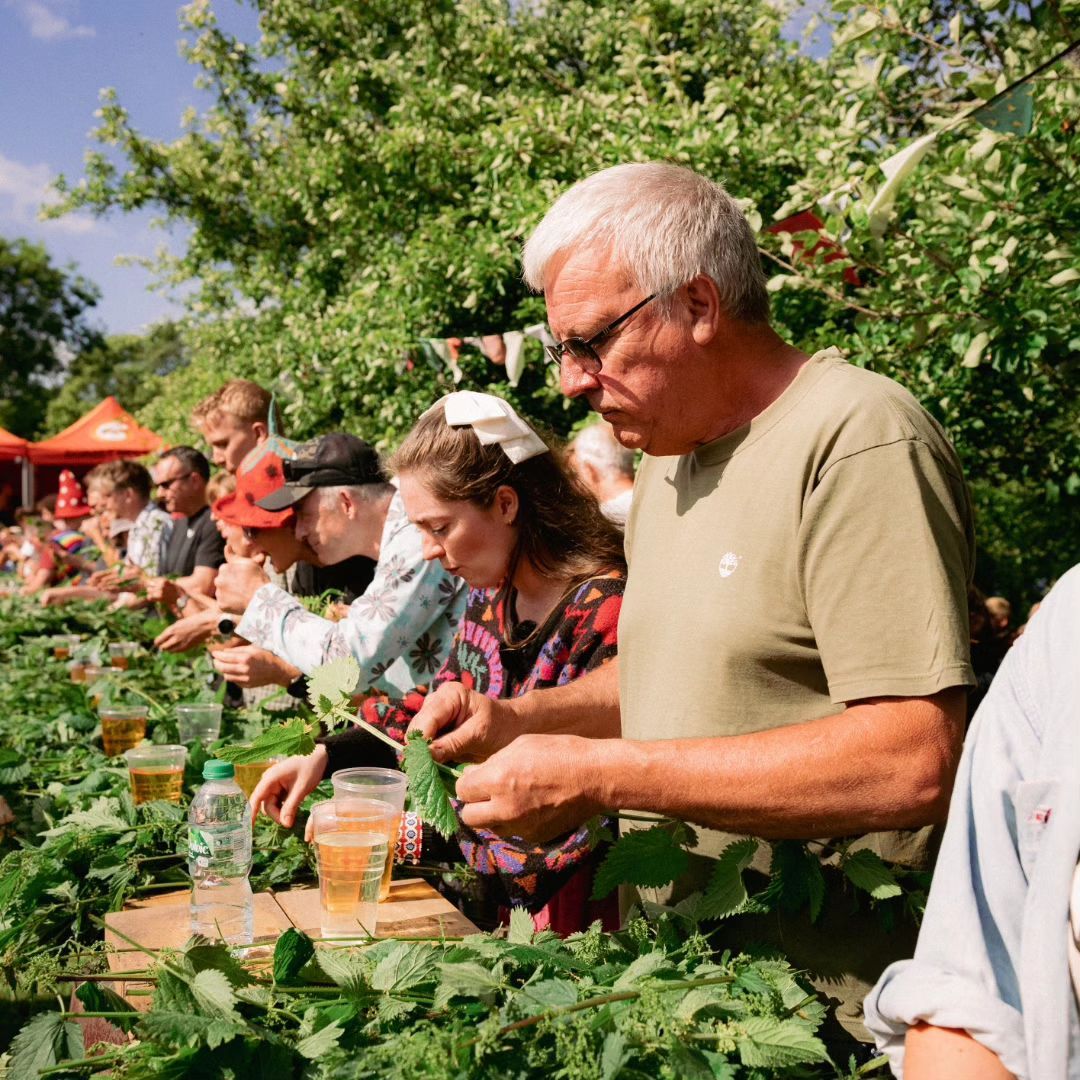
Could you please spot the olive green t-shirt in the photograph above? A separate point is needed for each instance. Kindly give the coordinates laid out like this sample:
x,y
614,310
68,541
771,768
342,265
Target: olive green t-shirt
x,y
818,555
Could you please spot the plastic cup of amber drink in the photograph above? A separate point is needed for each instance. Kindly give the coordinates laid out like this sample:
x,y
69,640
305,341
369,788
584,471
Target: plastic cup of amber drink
x,y
350,857
122,727
156,772
250,773
373,798
63,644
122,654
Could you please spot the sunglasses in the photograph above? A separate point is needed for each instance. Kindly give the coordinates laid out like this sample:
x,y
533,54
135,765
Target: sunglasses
x,y
583,350
166,484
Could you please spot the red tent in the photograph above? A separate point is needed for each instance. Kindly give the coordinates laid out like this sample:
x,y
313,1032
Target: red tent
x,y
11,446
105,433
13,478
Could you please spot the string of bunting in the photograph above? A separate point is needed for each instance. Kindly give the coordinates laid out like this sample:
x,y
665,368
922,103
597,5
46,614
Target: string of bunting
x,y
1009,112
504,350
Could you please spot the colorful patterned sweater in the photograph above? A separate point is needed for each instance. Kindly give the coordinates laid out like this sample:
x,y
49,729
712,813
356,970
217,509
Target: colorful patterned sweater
x,y
574,639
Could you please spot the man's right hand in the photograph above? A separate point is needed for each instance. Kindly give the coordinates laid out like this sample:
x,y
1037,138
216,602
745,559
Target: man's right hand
x,y
286,784
237,582
475,726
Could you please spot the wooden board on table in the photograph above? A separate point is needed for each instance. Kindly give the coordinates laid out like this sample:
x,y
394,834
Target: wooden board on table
x,y
162,922
413,910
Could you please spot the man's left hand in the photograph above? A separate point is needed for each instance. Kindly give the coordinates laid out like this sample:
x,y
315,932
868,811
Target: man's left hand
x,y
162,591
538,787
250,666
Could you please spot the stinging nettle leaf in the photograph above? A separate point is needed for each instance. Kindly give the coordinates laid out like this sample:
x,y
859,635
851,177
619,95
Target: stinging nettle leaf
x,y
770,1043
866,870
727,892
292,951
427,786
647,857
282,740
334,681
42,1043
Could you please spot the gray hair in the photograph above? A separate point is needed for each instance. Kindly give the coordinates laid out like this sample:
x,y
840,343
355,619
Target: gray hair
x,y
665,225
596,445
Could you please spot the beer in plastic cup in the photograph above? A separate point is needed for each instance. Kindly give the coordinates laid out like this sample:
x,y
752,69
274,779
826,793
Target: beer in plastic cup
x,y
199,723
363,790
122,727
91,674
121,654
156,772
350,856
249,774
63,645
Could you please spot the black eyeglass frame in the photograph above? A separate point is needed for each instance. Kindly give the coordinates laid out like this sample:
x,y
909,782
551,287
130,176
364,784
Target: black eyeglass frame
x,y
583,350
164,485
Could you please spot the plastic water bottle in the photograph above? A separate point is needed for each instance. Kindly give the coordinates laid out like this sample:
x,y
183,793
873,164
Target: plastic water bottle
x,y
219,858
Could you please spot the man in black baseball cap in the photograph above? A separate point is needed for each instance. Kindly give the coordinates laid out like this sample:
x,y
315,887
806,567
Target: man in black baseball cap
x,y
400,629
337,460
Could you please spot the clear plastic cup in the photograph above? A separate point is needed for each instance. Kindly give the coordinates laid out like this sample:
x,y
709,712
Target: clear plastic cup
x,y
91,674
199,723
122,727
156,772
249,774
374,797
122,653
350,856
64,645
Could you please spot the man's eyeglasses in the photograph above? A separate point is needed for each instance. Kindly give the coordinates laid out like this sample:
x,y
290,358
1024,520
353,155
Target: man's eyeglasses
x,y
584,350
166,484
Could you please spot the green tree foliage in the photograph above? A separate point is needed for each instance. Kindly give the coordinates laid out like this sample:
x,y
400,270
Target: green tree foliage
x,y
367,173
43,315
125,365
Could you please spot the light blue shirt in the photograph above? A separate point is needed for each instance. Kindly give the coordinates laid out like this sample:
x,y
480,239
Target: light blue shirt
x,y
399,629
992,952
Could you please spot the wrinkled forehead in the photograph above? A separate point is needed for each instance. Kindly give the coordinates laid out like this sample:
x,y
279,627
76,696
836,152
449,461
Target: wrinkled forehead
x,y
583,286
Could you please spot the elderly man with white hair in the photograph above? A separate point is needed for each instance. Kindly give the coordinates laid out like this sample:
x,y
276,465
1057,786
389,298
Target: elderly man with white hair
x,y
793,645
606,468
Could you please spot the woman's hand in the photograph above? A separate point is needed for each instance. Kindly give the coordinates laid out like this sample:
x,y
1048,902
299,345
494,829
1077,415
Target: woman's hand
x,y
286,784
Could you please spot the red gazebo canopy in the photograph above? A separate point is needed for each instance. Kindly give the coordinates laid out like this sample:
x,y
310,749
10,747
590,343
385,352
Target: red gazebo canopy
x,y
105,433
11,446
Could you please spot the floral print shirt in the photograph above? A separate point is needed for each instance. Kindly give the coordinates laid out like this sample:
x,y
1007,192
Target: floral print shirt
x,y
582,634
147,538
399,629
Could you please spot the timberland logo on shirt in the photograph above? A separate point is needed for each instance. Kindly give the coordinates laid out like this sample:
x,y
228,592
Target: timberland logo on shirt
x,y
729,564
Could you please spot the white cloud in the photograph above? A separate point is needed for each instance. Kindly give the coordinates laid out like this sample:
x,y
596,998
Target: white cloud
x,y
46,24
25,189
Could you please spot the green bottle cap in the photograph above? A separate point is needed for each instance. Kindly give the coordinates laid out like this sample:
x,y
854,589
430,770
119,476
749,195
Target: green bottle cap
x,y
218,770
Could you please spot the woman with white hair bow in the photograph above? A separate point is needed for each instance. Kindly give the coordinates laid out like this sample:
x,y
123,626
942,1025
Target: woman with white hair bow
x,y
497,506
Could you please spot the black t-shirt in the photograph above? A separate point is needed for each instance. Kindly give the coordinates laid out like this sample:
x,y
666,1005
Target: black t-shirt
x,y
195,541
350,577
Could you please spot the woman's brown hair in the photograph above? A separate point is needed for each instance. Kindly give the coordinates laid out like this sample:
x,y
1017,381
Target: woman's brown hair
x,y
561,529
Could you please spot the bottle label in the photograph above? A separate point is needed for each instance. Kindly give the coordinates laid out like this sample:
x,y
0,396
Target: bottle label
x,y
200,847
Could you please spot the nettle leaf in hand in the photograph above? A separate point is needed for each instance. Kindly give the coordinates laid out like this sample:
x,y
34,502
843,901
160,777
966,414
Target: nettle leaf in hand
x,y
430,785
283,740
333,682
648,857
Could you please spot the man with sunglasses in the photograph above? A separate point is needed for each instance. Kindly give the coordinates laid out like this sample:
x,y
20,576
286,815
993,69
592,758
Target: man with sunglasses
x,y
194,549
793,645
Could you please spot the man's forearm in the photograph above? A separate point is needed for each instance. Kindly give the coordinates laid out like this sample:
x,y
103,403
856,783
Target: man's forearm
x,y
873,767
933,1053
588,706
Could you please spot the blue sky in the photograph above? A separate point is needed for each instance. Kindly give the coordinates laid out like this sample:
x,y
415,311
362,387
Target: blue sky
x,y
55,55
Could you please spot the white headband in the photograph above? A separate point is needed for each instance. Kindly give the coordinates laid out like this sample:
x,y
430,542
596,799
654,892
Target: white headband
x,y
494,421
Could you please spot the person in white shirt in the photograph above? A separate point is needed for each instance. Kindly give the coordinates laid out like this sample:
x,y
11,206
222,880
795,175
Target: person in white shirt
x,y
606,468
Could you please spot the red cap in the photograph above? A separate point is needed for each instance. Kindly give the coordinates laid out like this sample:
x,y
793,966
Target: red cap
x,y
70,500
239,507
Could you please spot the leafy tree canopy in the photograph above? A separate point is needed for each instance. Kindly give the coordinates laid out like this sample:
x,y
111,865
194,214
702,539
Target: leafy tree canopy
x,y
127,366
367,173
43,315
